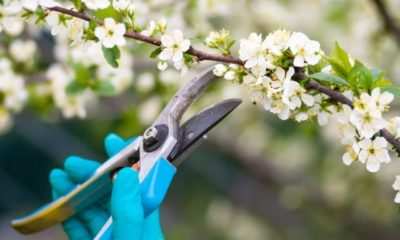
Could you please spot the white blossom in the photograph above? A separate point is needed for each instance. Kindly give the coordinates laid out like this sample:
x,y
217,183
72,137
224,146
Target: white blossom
x,y
257,75
365,104
12,87
279,80
306,51
277,106
162,65
70,105
301,117
10,20
145,82
277,42
294,95
220,70
317,110
23,51
173,48
150,29
53,21
32,5
253,51
217,37
351,154
111,33
149,109
347,130
394,126
373,153
381,101
396,186
124,5
75,31
230,75
366,124
96,4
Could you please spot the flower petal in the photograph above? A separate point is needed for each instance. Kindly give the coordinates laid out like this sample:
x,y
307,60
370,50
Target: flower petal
x,y
373,164
166,54
167,41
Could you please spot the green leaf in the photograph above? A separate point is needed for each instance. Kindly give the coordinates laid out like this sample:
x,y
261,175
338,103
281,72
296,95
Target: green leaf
x,y
156,52
340,55
365,78
381,83
353,75
229,46
324,77
82,75
78,4
394,90
338,68
112,55
93,24
108,12
377,74
340,61
105,88
74,88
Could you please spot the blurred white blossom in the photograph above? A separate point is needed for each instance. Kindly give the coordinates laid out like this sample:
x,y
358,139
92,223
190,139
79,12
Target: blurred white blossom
x,y
10,20
73,105
96,4
23,51
396,186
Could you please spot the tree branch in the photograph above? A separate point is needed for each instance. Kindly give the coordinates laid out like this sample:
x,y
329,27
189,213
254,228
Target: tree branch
x,y
339,97
201,56
388,21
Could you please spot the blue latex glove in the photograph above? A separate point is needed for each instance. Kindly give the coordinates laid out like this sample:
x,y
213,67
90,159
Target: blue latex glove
x,y
125,203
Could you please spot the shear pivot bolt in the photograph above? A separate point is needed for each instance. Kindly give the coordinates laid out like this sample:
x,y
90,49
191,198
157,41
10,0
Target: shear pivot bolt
x,y
150,136
154,137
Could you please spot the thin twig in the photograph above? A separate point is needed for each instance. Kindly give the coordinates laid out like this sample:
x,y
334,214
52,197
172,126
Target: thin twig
x,y
335,95
388,21
201,56
339,97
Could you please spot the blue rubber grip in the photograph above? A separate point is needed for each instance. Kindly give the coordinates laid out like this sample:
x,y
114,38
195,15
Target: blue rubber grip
x,y
153,189
155,185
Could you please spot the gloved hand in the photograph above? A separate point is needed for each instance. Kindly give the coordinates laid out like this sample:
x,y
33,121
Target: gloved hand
x,y
125,203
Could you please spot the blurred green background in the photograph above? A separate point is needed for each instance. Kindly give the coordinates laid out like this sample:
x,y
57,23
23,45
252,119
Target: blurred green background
x,y
256,177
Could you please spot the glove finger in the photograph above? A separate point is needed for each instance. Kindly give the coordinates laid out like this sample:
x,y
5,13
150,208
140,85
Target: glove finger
x,y
73,227
113,144
61,182
80,169
126,206
92,217
104,203
152,227
75,230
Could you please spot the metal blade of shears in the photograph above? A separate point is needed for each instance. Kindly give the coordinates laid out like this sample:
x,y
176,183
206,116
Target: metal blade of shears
x,y
199,125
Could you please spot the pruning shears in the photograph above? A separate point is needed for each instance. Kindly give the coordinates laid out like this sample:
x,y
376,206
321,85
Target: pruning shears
x,y
155,155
